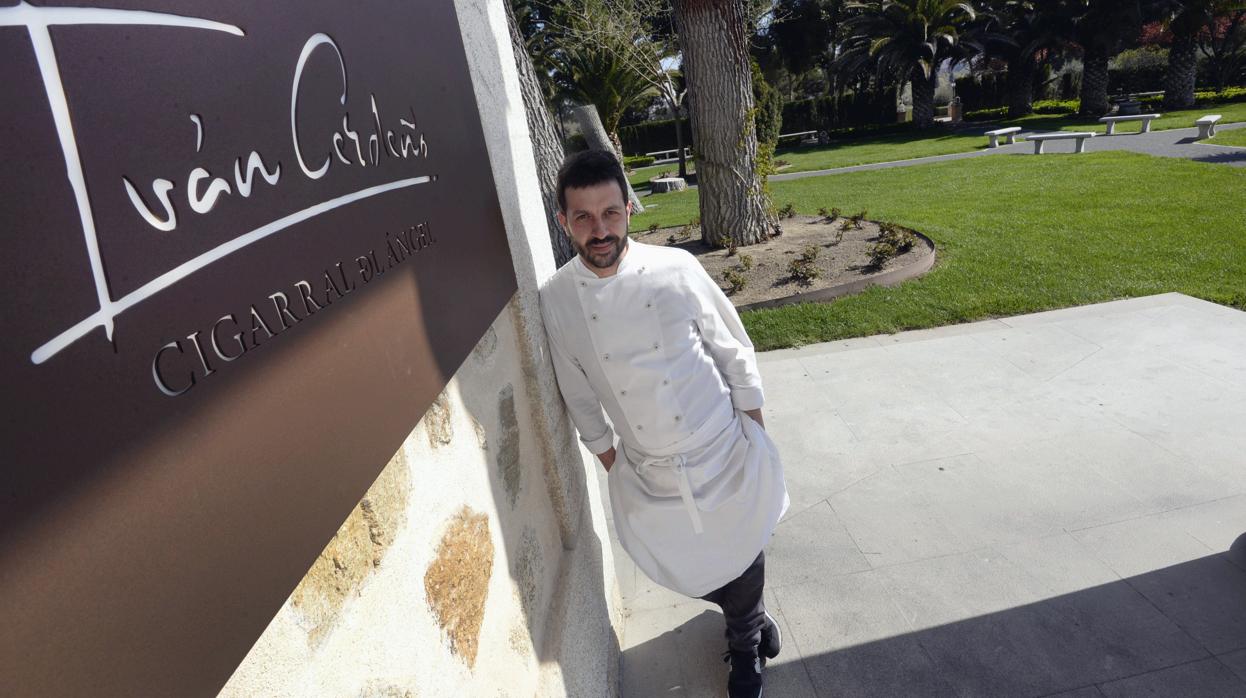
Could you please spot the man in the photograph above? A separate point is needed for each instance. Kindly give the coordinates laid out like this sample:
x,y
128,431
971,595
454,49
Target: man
x,y
695,483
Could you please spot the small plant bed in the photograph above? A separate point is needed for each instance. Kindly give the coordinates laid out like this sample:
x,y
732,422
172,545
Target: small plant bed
x,y
816,258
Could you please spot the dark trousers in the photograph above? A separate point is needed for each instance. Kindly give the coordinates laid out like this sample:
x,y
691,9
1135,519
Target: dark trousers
x,y
743,607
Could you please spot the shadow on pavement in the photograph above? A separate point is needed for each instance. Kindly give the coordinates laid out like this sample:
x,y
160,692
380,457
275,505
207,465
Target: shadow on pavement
x,y
1175,631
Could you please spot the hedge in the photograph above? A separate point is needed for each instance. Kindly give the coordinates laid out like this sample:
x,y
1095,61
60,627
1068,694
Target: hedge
x,y
652,136
638,161
854,109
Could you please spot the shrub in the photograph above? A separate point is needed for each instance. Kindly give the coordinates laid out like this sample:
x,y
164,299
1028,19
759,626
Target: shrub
x,y
746,261
788,211
803,268
986,114
1137,70
1056,106
638,161
892,241
857,218
823,212
735,280
880,253
653,227
731,248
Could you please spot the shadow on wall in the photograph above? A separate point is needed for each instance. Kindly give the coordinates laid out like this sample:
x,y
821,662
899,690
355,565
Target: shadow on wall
x,y
1176,631
561,592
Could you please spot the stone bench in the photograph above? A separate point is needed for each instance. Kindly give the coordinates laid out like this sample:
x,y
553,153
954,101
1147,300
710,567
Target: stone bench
x,y
1146,120
799,136
1207,126
1011,132
1040,138
662,185
663,156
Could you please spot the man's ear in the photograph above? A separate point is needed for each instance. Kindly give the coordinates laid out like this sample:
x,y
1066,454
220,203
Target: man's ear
x,y
562,220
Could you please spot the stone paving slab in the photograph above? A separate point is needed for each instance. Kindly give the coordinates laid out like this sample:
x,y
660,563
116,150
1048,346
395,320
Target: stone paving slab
x,y
1051,504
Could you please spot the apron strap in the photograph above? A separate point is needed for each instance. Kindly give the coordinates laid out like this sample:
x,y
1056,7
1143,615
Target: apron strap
x,y
685,492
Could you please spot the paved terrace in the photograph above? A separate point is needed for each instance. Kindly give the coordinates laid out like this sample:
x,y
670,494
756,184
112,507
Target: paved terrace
x,y
1051,504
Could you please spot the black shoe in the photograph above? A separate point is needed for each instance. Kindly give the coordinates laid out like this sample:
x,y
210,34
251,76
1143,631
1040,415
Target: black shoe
x,y
771,639
745,678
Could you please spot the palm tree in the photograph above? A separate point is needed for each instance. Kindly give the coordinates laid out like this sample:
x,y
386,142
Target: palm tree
x,y
908,39
1101,28
1022,31
591,73
1186,20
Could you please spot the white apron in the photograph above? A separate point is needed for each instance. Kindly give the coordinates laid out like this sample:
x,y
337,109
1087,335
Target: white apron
x,y
695,519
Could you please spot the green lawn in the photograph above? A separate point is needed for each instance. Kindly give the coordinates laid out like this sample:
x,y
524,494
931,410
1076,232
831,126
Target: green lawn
x,y
1234,111
1235,137
1018,235
905,146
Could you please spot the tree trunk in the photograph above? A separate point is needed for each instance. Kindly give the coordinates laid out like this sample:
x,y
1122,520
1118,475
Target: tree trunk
x,y
546,144
1094,83
923,98
679,143
597,139
714,40
1179,76
1021,86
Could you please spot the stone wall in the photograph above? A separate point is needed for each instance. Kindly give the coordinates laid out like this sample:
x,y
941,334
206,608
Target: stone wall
x,y
477,564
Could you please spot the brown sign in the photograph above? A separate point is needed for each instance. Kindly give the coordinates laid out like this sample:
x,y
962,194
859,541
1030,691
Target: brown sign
x,y
245,245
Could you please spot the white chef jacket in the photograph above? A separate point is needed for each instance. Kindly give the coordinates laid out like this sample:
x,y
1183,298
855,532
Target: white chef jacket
x,y
697,487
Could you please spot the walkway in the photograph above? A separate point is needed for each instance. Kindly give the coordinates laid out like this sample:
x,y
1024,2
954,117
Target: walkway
x,y
1020,507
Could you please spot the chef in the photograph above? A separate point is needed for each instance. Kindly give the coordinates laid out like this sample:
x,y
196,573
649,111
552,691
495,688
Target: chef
x,y
641,335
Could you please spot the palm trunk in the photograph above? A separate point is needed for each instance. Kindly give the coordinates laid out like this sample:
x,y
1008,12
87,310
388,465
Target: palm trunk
x,y
1094,83
597,139
923,97
1020,86
546,144
1179,77
734,207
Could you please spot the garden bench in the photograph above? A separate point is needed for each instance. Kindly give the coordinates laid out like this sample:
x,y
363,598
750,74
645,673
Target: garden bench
x,y
800,135
1081,137
1146,120
1011,132
672,154
1207,126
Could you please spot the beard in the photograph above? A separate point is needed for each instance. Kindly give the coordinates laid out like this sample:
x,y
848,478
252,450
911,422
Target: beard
x,y
602,260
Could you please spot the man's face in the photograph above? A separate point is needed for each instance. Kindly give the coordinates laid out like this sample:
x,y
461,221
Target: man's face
x,y
596,219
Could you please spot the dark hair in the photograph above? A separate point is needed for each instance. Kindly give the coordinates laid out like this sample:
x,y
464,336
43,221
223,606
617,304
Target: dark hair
x,y
589,168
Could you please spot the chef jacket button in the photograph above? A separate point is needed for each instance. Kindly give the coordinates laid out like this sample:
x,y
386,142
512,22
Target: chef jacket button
x,y
656,345
594,316
605,357
623,392
677,418
649,304
640,427
583,283
665,382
